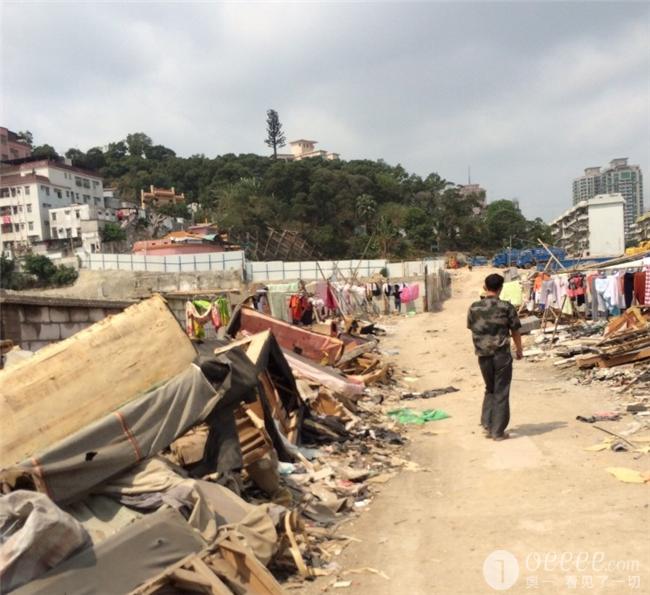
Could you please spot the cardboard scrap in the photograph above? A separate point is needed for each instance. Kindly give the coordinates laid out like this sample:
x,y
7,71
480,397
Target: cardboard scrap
x,y
629,475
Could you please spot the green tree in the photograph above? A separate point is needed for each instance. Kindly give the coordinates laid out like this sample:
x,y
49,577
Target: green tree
x,y
177,210
274,136
112,232
158,152
45,152
7,271
366,210
40,266
456,222
503,221
26,136
138,143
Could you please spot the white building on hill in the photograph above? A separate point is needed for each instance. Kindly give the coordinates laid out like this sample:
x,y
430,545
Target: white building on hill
x,y
82,223
304,149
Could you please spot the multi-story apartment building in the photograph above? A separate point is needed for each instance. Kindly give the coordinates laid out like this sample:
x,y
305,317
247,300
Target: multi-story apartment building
x,y
11,146
28,190
640,231
80,225
587,186
618,177
594,227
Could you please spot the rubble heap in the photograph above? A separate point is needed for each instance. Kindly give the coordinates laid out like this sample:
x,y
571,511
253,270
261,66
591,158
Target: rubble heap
x,y
219,471
616,352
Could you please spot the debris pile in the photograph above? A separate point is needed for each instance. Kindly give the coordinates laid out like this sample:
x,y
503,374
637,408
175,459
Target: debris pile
x,y
617,351
224,469
617,354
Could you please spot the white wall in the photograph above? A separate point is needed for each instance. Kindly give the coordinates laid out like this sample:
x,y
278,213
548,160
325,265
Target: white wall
x,y
278,270
207,261
606,229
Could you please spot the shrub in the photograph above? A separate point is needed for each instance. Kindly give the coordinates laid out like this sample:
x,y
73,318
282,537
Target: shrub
x,y
64,275
46,272
41,267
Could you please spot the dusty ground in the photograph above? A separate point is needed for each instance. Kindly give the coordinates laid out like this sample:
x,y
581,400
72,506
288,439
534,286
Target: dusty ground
x,y
570,525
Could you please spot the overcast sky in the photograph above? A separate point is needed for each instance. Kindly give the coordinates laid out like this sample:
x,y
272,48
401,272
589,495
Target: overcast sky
x,y
527,94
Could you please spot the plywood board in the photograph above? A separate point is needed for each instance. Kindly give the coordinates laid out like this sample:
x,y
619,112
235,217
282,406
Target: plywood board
x,y
69,384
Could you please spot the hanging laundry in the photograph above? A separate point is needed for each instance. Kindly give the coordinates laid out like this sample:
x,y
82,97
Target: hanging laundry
x,y
512,292
639,287
628,289
397,295
200,312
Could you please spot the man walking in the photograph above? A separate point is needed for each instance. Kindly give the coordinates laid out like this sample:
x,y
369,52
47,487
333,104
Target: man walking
x,y
492,322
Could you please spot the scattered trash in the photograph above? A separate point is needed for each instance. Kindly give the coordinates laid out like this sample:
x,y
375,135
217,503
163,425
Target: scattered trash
x,y
637,407
409,416
602,416
267,449
430,394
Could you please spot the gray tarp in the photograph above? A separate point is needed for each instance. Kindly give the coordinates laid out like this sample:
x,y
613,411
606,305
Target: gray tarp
x,y
118,565
211,507
137,430
35,535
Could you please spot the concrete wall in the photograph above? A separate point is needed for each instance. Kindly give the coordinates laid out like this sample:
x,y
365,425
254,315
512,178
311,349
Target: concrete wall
x,y
33,323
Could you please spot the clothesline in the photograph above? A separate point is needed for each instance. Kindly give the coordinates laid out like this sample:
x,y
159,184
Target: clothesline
x,y
598,293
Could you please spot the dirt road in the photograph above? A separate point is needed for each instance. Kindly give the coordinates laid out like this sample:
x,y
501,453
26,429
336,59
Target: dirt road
x,y
566,525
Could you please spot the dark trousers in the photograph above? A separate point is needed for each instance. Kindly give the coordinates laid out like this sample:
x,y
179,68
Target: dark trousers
x,y
497,374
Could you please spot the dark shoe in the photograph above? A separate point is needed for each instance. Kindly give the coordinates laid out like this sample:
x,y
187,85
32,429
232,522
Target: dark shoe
x,y
500,437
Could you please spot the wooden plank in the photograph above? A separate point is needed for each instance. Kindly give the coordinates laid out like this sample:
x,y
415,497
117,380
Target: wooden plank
x,y
587,361
610,362
355,352
217,587
70,384
249,570
186,578
232,344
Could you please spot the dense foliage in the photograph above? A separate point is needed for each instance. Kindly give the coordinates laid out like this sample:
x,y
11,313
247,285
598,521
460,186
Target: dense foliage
x,y
47,273
38,271
112,232
342,207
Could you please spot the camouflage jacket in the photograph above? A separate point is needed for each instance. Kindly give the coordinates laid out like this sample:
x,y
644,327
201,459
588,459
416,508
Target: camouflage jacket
x,y
491,320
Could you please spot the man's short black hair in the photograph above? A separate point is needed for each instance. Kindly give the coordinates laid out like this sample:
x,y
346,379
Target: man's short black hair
x,y
494,282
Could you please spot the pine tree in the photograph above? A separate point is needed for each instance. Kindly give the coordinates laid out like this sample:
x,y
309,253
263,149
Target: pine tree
x,y
274,136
